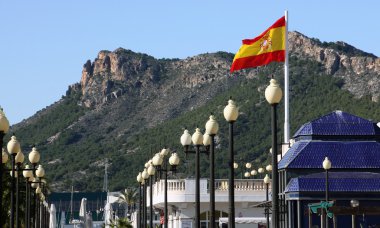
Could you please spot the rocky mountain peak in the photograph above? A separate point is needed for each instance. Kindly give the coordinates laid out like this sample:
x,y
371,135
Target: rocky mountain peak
x,y
114,73
359,70
99,78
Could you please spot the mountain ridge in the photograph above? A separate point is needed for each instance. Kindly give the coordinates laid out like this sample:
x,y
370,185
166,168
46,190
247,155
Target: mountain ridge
x,y
120,108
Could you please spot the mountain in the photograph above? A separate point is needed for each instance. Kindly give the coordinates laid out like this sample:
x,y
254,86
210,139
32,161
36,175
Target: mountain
x,y
129,105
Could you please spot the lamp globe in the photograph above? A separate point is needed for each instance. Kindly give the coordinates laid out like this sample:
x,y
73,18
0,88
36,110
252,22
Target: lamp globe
x,y
151,170
164,151
27,173
266,179
34,156
212,126
4,123
157,159
206,139
19,158
197,137
326,164
231,112
174,159
13,145
145,174
186,138
273,92
40,172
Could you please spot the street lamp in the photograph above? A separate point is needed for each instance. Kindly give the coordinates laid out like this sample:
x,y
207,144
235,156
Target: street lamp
x,y
28,174
327,165
197,139
212,128
273,95
231,114
145,176
266,182
34,158
354,204
140,180
19,160
13,148
151,172
40,173
4,127
158,162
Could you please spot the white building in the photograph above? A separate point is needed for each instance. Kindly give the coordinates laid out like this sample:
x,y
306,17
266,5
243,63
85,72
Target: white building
x,y
181,201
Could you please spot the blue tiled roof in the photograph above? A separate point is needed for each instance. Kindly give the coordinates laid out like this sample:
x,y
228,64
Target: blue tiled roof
x,y
338,182
338,123
345,154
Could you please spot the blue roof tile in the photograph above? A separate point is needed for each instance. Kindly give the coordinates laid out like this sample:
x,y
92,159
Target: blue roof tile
x,y
338,182
342,154
338,123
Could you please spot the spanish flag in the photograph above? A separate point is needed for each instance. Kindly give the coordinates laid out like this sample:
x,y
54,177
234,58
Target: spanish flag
x,y
262,50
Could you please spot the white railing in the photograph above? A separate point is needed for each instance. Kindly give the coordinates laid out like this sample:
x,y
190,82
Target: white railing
x,y
179,185
242,185
173,186
183,190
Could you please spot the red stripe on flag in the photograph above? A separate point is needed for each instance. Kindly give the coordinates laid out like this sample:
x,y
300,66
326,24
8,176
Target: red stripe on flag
x,y
258,60
279,23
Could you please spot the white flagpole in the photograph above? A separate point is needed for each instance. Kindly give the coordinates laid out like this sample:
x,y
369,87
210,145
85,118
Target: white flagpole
x,y
286,84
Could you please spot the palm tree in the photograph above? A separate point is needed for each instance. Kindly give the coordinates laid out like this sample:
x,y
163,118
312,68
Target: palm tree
x,y
129,197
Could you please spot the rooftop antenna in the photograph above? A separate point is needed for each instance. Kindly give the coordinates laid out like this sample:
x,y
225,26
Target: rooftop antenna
x,y
105,181
71,204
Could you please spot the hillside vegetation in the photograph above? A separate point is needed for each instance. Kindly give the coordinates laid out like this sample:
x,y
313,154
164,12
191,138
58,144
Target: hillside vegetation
x,y
76,140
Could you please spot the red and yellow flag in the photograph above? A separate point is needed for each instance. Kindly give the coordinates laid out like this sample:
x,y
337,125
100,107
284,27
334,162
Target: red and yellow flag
x,y
262,50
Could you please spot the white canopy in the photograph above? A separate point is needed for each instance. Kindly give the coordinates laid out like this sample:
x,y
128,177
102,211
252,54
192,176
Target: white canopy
x,y
107,214
82,209
53,219
244,220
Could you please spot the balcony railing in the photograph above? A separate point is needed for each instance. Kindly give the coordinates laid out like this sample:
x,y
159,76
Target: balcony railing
x,y
241,185
183,190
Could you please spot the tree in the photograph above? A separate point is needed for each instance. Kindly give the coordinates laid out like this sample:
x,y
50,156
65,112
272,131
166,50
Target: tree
x,y
128,197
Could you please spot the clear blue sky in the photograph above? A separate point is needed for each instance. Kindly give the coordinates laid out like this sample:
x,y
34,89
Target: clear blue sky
x,y
45,43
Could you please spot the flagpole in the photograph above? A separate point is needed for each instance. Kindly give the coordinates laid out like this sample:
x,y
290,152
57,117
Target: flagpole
x,y
286,84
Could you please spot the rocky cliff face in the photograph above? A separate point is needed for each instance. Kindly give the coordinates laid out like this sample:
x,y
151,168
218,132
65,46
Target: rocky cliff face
x,y
359,70
113,74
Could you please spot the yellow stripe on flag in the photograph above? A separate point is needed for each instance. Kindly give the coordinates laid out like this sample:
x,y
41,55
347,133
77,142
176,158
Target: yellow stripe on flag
x,y
272,41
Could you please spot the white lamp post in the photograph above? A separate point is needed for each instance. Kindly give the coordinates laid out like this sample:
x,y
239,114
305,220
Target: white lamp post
x,y
212,128
266,182
145,176
151,172
13,148
4,127
140,180
326,166
273,95
231,113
